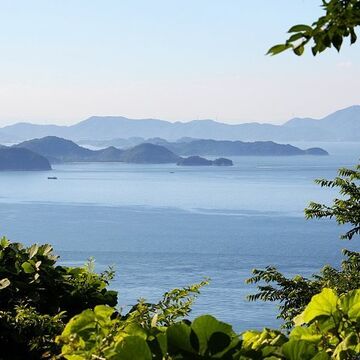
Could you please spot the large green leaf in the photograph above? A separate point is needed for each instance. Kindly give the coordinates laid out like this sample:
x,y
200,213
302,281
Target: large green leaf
x,y
323,304
178,336
80,323
131,348
350,304
299,350
306,333
207,329
103,313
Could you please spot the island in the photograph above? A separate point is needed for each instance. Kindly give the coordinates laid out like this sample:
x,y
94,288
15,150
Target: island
x,y
159,151
59,150
316,151
17,159
147,153
223,162
200,161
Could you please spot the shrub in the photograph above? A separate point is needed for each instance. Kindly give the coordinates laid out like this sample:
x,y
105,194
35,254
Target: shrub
x,y
37,297
328,328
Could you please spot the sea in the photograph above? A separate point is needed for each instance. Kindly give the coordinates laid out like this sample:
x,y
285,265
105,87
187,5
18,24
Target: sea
x,y
165,226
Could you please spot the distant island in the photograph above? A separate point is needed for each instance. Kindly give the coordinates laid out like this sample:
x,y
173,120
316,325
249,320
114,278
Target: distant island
x,y
159,151
37,154
149,154
190,146
200,161
237,148
17,159
58,150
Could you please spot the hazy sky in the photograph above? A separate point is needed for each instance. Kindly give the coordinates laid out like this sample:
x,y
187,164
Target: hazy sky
x,y
62,61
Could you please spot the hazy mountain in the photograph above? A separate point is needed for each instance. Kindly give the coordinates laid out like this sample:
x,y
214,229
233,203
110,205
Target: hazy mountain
x,y
21,159
343,125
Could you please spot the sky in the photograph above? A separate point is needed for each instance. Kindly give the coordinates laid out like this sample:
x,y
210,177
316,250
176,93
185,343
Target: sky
x,y
62,61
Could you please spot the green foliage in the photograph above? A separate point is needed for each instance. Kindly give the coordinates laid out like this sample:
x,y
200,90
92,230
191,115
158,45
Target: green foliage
x,y
31,276
101,332
98,334
332,324
339,22
328,328
24,331
37,297
345,210
174,305
264,344
294,294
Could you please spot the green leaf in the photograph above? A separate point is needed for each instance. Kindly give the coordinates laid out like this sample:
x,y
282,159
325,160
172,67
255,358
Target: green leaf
x,y
323,304
162,341
337,40
299,50
4,283
4,242
321,356
131,348
300,28
135,329
296,37
27,267
33,250
277,49
353,36
178,336
299,350
205,327
350,304
103,313
80,323
306,333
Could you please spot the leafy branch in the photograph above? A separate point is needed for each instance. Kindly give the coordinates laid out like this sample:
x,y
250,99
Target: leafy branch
x,y
339,22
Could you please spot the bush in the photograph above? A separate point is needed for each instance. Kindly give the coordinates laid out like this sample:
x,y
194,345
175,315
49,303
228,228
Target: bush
x,y
328,328
37,297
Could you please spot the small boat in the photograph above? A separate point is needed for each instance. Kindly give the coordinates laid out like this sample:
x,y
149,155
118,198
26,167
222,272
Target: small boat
x,y
52,178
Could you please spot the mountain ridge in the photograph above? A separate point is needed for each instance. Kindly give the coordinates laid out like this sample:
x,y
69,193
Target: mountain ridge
x,y
342,125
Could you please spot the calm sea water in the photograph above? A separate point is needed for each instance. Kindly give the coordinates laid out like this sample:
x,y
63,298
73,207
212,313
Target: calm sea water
x,y
163,226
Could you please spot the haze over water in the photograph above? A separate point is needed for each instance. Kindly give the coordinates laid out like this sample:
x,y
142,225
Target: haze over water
x,y
164,226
